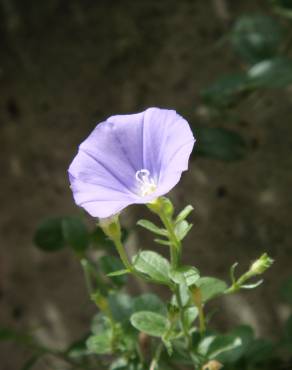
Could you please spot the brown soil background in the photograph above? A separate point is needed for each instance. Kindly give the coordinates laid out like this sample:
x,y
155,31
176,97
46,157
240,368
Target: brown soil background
x,y
65,66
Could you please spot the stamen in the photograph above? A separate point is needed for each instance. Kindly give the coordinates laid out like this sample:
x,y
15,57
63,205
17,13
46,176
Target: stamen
x,y
147,184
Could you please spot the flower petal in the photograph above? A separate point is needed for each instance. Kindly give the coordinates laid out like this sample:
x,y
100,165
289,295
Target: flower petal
x,y
168,141
99,201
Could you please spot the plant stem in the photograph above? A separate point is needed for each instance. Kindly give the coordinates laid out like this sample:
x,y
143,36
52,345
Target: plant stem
x,y
87,270
175,248
238,283
155,360
187,335
123,254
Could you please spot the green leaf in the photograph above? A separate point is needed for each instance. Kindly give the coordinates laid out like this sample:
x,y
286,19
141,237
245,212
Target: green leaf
x,y
49,235
110,265
185,295
286,291
252,286
220,143
256,37
273,73
162,242
190,315
260,351
118,273
75,234
181,229
153,265
100,343
78,348
150,323
226,90
121,307
246,335
184,213
185,275
221,344
100,323
211,287
149,302
150,226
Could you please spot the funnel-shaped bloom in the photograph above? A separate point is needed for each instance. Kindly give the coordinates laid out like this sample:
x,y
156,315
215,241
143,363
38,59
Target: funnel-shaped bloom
x,y
130,159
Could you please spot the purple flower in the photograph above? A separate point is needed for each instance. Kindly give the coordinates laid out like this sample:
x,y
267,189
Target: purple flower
x,y
130,159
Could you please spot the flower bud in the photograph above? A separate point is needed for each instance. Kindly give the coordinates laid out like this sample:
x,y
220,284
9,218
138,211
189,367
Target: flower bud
x,y
261,265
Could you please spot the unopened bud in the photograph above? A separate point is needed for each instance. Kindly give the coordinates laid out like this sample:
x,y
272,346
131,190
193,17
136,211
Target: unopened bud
x,y
261,265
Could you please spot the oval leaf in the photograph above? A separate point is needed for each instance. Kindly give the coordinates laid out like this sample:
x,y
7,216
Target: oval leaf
x,y
75,233
150,323
153,265
256,37
220,143
211,287
49,235
149,302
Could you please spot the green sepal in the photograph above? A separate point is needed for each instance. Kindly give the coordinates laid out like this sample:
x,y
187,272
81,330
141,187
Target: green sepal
x,y
150,226
184,213
181,229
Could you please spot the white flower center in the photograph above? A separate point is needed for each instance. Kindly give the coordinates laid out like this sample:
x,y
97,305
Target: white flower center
x,y
146,182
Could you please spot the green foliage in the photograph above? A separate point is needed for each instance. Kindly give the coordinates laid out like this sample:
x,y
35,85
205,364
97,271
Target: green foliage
x,y
120,306
78,348
100,343
110,265
187,275
153,265
150,226
184,213
213,346
272,73
181,229
75,234
225,92
55,233
49,235
220,143
149,302
256,37
211,287
151,323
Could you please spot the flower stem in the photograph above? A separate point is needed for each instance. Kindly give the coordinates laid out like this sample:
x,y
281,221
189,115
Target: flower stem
x,y
238,283
175,247
123,255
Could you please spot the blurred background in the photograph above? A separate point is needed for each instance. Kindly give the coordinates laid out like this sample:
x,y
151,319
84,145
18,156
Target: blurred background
x,y
66,65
